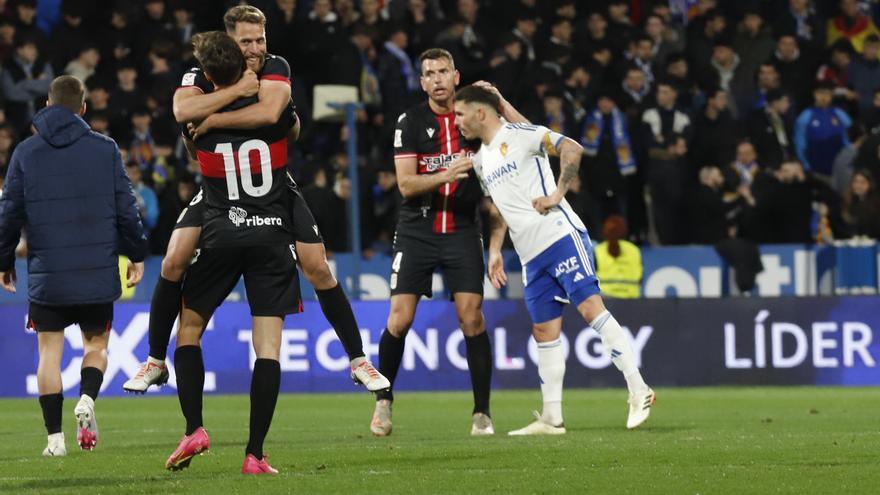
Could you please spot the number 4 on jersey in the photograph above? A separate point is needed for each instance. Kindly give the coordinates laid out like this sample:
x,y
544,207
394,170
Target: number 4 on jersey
x,y
233,167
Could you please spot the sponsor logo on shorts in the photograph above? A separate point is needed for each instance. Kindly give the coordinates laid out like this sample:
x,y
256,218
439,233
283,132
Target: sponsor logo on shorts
x,y
239,216
568,266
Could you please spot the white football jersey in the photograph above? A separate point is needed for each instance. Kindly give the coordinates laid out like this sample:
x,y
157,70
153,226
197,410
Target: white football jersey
x,y
514,170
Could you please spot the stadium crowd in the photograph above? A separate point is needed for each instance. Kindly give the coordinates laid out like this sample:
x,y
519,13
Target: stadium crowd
x,y
701,119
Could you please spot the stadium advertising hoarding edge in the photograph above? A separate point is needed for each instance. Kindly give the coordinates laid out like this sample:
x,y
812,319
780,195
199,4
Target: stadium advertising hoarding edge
x,y
678,342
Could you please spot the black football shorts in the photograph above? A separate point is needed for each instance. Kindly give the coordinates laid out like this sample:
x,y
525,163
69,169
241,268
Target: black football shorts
x,y
305,228
90,317
458,255
270,278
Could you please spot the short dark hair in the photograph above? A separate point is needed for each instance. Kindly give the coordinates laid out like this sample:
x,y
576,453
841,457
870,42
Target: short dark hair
x,y
219,56
476,94
436,54
67,91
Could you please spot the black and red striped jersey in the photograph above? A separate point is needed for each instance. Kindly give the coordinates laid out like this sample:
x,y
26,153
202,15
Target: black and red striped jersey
x,y
245,184
275,68
434,140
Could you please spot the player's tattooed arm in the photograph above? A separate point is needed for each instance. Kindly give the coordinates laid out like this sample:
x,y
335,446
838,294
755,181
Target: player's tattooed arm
x,y
191,104
497,233
508,111
569,153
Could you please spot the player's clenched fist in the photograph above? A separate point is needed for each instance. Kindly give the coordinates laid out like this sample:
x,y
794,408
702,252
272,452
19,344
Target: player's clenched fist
x,y
459,168
546,203
248,85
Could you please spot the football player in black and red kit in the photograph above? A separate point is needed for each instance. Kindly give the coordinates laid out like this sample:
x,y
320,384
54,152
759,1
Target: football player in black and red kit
x,y
438,227
198,100
247,231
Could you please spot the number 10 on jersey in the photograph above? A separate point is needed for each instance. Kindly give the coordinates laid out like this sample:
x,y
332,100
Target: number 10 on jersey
x,y
230,164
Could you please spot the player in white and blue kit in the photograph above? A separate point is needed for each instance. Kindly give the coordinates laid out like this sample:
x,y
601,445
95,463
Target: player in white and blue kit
x,y
552,243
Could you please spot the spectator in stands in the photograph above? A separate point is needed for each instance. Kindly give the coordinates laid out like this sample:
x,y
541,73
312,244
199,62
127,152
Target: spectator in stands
x,y
147,203
524,31
576,90
509,68
118,38
839,70
156,24
730,77
753,43
423,26
678,75
768,130
126,96
558,45
842,170
554,115
620,28
666,41
68,37
871,117
851,24
386,204
702,35
25,82
783,206
372,22
634,90
85,64
744,168
618,261
7,40
864,73
608,160
666,129
141,146
715,133
795,68
319,36
26,24
798,17
820,131
400,80
861,206
172,201
710,214
7,141
183,22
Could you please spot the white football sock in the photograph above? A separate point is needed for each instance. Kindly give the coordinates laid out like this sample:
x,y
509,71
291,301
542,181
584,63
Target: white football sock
x,y
618,345
551,369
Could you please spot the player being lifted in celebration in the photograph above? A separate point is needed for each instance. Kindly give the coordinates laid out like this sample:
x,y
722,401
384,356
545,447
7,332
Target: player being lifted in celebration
x,y
437,227
552,244
247,232
197,100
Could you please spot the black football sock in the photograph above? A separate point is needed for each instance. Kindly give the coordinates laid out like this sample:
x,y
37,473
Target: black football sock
x,y
190,371
390,355
51,406
479,358
337,310
265,383
164,309
90,382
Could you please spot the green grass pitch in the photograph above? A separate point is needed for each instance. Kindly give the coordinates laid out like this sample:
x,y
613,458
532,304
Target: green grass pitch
x,y
700,440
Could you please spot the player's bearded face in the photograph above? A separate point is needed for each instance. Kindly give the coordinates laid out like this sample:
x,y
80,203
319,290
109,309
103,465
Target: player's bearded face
x,y
439,79
251,38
